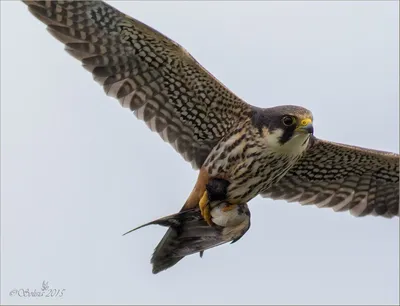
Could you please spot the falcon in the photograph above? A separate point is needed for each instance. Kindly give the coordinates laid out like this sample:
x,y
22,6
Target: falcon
x,y
239,150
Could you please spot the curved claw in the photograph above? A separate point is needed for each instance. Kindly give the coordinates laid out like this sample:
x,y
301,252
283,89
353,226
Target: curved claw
x,y
205,208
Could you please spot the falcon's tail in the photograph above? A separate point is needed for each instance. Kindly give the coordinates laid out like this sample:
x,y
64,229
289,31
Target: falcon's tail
x,y
188,233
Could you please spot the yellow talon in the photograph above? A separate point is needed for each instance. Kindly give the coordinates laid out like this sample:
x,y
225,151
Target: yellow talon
x,y
205,208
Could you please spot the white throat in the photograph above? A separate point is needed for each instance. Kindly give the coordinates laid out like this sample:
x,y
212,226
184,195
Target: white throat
x,y
294,146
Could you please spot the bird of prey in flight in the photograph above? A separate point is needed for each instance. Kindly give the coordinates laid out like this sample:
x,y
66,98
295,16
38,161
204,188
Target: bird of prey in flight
x,y
239,150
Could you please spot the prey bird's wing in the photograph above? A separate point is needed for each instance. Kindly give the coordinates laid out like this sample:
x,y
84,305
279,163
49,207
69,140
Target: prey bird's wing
x,y
345,178
147,72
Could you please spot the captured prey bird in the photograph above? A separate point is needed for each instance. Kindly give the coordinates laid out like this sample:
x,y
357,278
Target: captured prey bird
x,y
239,150
189,233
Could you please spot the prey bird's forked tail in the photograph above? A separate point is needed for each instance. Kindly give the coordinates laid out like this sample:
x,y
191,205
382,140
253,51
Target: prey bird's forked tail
x,y
189,233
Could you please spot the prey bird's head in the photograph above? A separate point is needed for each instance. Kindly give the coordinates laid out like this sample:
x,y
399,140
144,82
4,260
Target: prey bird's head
x,y
285,128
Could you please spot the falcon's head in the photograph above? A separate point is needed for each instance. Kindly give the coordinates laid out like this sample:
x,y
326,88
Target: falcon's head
x,y
286,129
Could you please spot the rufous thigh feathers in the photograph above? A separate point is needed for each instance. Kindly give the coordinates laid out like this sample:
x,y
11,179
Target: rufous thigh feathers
x,y
198,190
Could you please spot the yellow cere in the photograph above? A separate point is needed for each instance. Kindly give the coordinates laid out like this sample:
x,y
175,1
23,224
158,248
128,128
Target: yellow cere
x,y
305,122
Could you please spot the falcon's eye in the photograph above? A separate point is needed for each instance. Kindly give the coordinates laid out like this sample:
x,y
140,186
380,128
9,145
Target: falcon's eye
x,y
288,120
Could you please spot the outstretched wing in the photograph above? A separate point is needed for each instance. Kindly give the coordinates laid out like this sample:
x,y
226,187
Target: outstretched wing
x,y
147,72
344,178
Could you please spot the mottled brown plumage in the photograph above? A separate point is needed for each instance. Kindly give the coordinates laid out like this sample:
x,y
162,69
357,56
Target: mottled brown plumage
x,y
248,150
344,178
147,72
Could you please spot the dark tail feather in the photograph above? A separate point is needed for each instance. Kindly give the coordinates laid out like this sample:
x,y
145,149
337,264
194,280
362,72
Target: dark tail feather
x,y
188,234
163,256
186,230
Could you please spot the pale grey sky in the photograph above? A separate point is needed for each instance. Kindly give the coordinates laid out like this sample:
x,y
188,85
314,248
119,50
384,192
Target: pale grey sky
x,y
77,170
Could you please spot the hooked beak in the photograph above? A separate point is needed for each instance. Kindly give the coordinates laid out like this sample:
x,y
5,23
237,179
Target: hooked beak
x,y
305,127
